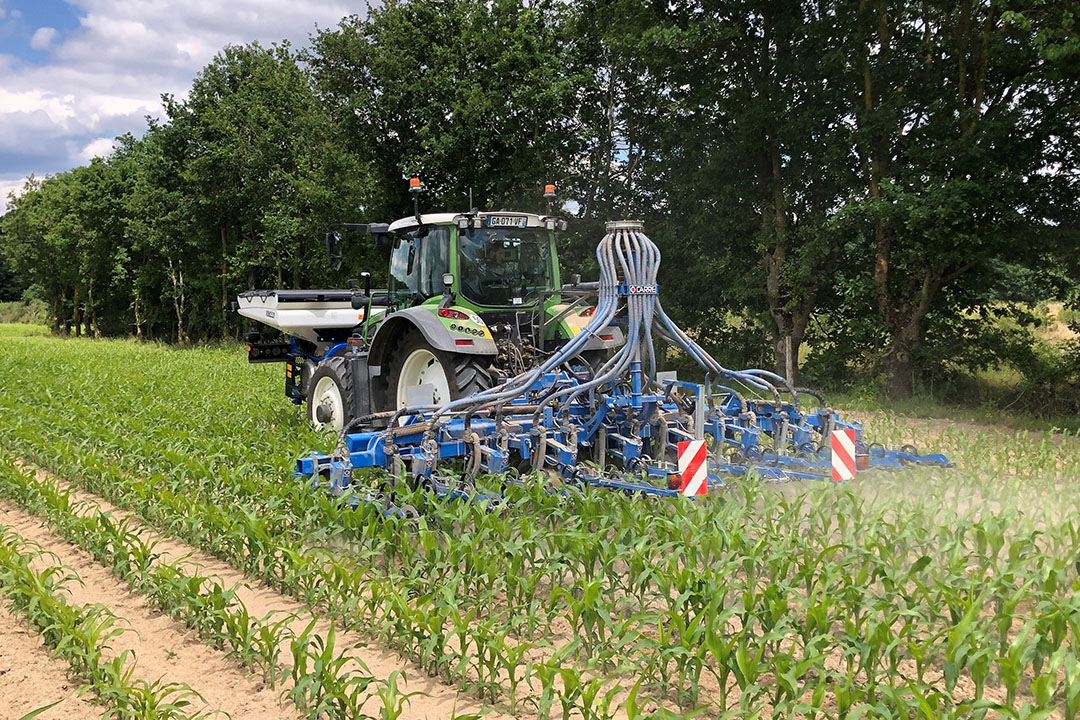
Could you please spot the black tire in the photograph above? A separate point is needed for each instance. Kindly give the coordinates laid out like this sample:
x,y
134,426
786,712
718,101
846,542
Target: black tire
x,y
307,369
334,370
472,374
465,374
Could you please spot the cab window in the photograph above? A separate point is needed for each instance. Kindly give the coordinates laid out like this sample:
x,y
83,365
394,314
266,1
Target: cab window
x,y
504,266
434,260
417,263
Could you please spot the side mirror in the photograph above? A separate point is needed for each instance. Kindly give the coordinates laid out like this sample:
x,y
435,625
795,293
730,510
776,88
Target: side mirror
x,y
333,249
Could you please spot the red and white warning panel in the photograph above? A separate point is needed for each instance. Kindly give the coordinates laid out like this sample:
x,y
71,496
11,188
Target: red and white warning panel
x,y
693,468
843,455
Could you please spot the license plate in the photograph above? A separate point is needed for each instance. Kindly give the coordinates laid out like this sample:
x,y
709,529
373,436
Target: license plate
x,y
498,221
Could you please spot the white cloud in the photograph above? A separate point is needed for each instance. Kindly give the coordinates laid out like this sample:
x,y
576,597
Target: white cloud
x,y
58,109
102,147
43,38
105,76
9,185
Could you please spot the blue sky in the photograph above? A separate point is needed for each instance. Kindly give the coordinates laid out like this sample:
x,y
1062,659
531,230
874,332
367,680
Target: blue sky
x,y
75,74
23,19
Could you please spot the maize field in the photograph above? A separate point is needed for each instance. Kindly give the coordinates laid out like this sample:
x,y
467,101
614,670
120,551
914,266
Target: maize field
x,y
155,549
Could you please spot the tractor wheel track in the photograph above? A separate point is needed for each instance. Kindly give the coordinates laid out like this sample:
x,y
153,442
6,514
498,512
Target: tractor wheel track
x,y
437,701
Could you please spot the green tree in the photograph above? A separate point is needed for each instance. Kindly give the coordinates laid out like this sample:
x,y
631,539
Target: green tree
x,y
11,286
263,169
960,122
470,95
162,233
716,128
43,231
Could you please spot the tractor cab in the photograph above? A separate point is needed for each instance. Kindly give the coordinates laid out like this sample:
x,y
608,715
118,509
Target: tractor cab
x,y
493,261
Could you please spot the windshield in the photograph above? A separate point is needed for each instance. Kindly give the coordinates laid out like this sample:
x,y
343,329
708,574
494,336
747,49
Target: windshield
x,y
504,266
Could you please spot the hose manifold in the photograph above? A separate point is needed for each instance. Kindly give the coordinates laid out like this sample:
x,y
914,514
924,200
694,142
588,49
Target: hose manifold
x,y
615,225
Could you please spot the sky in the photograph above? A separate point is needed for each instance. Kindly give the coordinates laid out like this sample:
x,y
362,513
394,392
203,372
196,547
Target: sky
x,y
76,74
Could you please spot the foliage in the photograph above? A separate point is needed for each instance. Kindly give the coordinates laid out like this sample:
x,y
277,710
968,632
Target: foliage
x,y
11,288
833,185
470,95
34,312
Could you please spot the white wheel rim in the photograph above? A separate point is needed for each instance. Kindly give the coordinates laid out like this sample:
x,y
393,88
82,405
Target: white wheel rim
x,y
422,368
328,393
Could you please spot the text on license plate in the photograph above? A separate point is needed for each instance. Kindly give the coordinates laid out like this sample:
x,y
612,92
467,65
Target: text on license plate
x,y
495,221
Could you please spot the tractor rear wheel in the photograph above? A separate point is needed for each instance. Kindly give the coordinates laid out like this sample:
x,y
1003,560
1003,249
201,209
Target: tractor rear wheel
x,y
413,362
329,394
595,358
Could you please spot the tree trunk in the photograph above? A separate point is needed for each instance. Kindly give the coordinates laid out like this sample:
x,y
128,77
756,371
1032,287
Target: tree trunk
x,y
905,329
899,360
138,319
788,336
76,312
58,309
92,325
224,287
176,275
786,352
789,323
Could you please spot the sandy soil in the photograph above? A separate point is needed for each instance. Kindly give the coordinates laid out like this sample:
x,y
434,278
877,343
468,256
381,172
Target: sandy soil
x,y
30,678
162,647
437,701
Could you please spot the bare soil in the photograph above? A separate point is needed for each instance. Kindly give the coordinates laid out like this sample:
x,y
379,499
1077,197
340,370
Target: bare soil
x,y
162,647
30,678
436,700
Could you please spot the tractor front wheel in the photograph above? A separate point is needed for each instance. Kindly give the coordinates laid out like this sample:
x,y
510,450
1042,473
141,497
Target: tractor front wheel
x,y
329,394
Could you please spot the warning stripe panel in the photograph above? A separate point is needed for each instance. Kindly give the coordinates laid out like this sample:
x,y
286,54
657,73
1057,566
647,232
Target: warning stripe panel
x,y
693,467
843,454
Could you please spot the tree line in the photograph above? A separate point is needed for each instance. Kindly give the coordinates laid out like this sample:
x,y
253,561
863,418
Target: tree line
x,y
892,184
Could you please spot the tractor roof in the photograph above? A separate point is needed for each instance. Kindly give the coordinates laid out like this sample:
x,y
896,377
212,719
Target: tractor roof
x,y
532,219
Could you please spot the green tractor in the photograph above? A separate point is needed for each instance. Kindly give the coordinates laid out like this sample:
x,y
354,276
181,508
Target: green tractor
x,y
473,299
